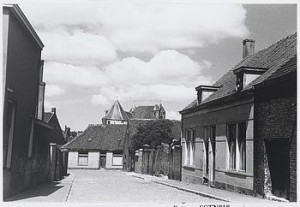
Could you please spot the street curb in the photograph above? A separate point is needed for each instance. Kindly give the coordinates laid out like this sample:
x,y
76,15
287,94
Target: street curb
x,y
192,191
185,189
67,194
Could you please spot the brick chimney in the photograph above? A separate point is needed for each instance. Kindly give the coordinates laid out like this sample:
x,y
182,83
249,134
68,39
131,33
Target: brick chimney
x,y
248,47
53,110
41,98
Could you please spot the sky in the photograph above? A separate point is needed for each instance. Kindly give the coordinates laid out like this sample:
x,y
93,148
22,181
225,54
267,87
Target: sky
x,y
144,53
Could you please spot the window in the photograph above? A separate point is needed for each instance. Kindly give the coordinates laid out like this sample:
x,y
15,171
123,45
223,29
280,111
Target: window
x,y
236,138
189,147
83,158
117,159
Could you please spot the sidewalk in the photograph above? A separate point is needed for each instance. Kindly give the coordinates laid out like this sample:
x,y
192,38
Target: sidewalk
x,y
202,190
57,191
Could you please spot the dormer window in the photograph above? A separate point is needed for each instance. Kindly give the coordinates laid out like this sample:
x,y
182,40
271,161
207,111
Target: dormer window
x,y
204,91
245,75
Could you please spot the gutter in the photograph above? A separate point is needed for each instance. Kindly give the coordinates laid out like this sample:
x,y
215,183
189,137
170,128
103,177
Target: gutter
x,y
232,97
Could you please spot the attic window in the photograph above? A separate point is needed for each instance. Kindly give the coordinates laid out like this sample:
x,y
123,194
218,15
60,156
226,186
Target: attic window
x,y
203,91
245,75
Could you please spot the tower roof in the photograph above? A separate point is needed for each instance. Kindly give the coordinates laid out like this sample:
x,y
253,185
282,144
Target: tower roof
x,y
116,112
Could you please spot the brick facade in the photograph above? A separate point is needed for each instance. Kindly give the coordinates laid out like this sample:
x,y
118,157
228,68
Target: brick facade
x,y
275,113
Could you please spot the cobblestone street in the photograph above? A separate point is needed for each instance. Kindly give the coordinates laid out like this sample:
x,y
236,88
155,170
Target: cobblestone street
x,y
104,186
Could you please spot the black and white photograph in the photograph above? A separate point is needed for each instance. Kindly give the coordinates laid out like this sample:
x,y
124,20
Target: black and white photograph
x,y
149,103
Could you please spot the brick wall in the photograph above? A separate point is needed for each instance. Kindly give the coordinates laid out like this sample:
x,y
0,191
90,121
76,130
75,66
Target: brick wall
x,y
275,118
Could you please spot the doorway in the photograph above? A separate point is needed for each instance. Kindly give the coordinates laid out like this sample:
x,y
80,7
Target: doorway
x,y
102,161
212,155
278,159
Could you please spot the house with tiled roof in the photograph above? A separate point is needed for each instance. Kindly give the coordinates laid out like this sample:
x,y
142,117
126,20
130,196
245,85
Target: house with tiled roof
x,y
240,133
148,112
100,145
57,139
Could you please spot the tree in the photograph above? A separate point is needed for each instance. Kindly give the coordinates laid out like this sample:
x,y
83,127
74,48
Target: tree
x,y
153,133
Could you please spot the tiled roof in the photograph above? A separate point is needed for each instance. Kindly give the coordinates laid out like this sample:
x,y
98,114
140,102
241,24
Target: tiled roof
x,y
116,112
99,137
47,116
56,135
288,68
145,112
272,58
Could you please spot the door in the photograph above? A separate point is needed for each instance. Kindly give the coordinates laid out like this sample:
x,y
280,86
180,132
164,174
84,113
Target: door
x,y
212,155
102,161
278,160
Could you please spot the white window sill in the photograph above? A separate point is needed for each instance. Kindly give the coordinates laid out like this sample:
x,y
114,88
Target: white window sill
x,y
237,172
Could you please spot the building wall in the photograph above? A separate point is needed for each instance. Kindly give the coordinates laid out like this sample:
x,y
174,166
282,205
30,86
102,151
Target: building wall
x,y
275,117
109,161
220,117
21,79
93,160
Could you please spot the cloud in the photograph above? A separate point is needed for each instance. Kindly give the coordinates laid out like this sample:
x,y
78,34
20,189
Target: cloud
x,y
66,74
167,67
53,90
77,48
152,27
100,100
173,115
48,105
146,27
139,93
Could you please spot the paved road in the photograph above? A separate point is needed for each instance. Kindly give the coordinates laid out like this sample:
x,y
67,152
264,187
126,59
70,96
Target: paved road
x,y
108,186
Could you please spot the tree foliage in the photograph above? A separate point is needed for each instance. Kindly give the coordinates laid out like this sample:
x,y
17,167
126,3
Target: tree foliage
x,y
153,133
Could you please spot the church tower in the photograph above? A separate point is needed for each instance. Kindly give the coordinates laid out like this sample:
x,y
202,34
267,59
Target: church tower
x,y
116,115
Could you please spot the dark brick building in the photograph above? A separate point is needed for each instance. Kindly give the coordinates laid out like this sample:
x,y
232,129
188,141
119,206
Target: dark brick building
x,y
240,133
25,141
30,136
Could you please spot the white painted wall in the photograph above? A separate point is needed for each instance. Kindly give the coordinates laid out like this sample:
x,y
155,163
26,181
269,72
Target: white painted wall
x,y
109,162
93,160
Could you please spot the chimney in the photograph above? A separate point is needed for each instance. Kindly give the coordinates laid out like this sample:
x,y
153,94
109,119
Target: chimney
x,y
106,111
248,47
53,110
41,70
41,97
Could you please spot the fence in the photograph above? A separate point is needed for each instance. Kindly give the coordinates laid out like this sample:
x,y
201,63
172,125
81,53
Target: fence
x,y
162,161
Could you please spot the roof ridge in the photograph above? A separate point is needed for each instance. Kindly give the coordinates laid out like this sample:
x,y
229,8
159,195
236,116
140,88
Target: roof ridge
x,y
279,66
73,140
263,49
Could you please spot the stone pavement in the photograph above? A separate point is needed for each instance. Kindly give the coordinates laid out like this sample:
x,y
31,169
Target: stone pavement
x,y
107,187
203,190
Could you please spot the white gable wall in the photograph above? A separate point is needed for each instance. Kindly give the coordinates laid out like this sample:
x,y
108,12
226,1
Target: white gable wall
x,y
93,160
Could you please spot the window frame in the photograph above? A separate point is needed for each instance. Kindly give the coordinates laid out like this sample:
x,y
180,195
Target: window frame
x,y
190,146
236,159
119,156
82,154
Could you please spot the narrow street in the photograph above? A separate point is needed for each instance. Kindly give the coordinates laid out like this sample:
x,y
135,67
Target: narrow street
x,y
107,186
